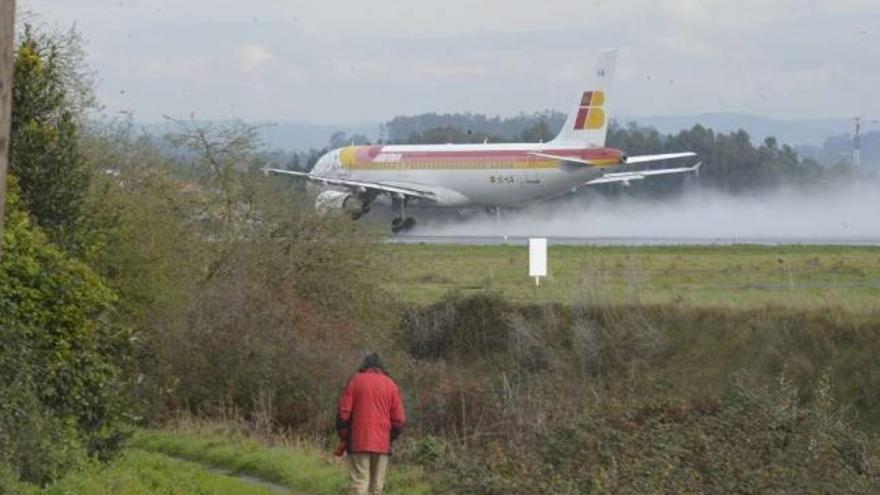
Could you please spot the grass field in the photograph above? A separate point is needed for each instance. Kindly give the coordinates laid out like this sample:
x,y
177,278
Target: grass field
x,y
205,461
140,472
304,470
740,275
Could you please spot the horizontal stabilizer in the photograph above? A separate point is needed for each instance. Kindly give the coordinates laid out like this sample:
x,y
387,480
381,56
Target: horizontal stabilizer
x,y
626,177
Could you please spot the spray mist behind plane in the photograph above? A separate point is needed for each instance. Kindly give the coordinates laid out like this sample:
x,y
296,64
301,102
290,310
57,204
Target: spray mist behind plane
x,y
847,214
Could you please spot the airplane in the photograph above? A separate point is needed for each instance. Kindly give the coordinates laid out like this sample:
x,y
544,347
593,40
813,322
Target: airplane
x,y
488,175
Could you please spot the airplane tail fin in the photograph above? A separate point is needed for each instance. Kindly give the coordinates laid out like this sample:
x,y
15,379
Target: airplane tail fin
x,y
587,123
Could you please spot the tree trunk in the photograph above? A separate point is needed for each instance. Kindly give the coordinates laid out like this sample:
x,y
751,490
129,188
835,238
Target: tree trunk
x,y
7,28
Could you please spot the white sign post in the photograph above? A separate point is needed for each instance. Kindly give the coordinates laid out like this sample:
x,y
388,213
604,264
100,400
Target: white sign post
x,y
537,259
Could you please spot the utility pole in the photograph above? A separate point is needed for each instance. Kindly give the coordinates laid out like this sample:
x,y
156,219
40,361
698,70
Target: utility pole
x,y
7,28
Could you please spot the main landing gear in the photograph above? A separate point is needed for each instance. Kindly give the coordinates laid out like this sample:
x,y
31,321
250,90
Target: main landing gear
x,y
401,222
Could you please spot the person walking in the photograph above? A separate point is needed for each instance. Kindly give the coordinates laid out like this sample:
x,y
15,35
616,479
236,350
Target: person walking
x,y
370,417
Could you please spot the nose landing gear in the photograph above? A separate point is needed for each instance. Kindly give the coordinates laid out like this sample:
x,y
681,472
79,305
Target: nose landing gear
x,y
401,222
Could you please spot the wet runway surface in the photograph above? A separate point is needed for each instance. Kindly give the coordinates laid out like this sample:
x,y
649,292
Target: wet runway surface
x,y
416,238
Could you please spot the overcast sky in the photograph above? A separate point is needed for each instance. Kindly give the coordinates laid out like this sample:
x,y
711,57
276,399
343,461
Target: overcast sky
x,y
342,61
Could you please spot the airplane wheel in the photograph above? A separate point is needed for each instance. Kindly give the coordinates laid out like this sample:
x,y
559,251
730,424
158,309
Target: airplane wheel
x,y
409,223
396,225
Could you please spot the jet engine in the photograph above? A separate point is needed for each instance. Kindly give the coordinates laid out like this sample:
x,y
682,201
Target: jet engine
x,y
352,204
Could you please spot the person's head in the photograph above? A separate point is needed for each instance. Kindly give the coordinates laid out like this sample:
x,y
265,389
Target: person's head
x,y
373,361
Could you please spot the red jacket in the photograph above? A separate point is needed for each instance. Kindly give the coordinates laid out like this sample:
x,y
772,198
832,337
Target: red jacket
x,y
370,413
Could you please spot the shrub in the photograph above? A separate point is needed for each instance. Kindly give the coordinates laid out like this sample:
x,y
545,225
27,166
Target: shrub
x,y
753,441
247,301
609,340
458,328
61,357
646,398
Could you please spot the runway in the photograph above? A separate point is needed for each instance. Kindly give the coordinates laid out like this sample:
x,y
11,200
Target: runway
x,y
475,240
834,216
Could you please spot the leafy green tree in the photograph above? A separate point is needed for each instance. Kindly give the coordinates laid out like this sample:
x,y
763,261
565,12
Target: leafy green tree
x,y
538,133
49,93
731,162
149,251
449,134
407,129
62,357
228,275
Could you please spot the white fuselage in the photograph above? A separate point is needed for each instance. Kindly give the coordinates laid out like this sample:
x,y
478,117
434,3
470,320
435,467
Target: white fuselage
x,y
468,175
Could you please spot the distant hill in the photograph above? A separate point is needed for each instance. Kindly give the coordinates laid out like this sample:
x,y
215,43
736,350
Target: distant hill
x,y
304,136
836,149
288,136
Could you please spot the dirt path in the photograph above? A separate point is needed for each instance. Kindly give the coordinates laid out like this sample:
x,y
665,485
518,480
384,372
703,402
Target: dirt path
x,y
248,478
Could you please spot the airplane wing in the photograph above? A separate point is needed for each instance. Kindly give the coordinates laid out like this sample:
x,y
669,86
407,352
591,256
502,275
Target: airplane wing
x,y
656,158
626,177
393,189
